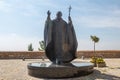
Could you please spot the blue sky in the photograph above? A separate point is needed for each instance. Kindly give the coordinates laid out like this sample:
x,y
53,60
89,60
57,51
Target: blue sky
x,y
22,22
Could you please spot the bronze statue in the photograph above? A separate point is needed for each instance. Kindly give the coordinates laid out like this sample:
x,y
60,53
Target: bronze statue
x,y
60,39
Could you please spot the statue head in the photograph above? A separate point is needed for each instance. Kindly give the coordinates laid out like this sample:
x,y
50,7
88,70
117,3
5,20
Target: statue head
x,y
59,15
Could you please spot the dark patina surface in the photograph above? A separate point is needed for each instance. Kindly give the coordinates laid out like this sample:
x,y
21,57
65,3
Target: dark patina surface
x,y
60,39
66,70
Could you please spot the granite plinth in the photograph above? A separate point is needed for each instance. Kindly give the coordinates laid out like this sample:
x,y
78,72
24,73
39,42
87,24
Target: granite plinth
x,y
49,70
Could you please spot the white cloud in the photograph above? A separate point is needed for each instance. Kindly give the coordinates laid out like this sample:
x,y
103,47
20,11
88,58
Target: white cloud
x,y
29,10
4,6
96,15
98,21
32,7
84,44
14,42
87,44
116,12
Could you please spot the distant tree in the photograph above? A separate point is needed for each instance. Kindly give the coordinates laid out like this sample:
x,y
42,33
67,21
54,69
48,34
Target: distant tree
x,y
95,39
42,46
30,48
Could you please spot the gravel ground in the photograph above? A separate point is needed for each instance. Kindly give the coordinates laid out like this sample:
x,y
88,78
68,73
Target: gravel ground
x,y
16,69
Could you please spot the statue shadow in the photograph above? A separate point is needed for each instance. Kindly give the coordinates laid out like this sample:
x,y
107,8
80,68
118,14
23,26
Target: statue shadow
x,y
94,76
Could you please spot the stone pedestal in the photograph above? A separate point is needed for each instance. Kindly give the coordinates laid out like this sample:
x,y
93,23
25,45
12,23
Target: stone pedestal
x,y
49,70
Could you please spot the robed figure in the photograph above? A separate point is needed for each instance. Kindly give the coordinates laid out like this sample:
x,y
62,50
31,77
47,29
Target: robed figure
x,y
60,39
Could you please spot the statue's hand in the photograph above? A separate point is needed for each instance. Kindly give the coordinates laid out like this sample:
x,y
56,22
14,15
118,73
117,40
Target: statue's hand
x,y
48,13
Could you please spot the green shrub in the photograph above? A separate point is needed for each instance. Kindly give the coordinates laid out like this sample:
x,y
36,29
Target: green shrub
x,y
93,60
30,48
97,60
100,60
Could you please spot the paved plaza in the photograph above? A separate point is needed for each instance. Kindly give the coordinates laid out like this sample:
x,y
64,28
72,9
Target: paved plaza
x,y
16,69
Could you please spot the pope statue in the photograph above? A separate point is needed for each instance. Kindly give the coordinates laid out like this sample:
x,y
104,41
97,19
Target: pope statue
x,y
60,39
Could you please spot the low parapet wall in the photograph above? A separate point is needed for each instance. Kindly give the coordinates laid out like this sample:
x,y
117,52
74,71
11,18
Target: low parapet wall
x,y
104,54
39,54
21,54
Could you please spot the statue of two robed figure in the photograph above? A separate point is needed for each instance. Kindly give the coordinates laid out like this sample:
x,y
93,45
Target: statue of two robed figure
x,y
60,39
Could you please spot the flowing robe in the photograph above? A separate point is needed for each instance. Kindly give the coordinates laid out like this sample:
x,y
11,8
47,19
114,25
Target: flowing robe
x,y
60,41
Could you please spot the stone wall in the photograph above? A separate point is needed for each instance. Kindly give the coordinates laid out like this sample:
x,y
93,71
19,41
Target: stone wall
x,y
38,54
21,54
104,54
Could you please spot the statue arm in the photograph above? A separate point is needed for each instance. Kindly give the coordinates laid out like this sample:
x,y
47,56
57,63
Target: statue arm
x,y
47,29
48,22
69,20
72,35
48,15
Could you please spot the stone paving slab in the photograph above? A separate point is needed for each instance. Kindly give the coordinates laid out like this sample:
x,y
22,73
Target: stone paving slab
x,y
16,69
